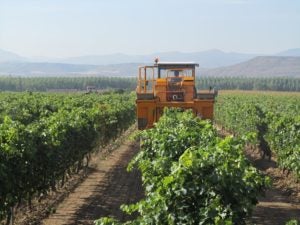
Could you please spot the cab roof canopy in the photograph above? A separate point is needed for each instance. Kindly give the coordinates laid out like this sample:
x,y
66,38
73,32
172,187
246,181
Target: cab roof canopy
x,y
177,64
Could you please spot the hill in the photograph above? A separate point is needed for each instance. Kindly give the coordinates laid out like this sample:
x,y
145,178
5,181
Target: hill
x,y
266,66
7,56
209,59
212,63
290,52
64,69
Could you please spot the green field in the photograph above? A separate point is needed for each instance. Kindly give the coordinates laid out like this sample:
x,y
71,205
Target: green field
x,y
45,136
183,160
273,118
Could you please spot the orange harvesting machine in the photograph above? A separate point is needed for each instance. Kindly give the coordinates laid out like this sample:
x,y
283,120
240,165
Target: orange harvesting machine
x,y
170,84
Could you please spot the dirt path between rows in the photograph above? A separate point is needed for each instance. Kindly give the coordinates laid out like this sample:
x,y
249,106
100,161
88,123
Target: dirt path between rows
x,y
282,201
107,187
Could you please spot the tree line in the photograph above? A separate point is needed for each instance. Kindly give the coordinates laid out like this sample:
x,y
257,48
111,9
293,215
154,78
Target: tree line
x,y
11,83
250,83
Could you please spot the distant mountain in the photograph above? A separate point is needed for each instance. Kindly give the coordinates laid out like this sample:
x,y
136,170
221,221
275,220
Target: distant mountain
x,y
6,56
63,69
290,52
25,68
212,63
210,58
117,58
266,66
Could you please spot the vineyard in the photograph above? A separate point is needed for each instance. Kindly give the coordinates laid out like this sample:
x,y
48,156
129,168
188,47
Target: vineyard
x,y
44,137
274,120
190,174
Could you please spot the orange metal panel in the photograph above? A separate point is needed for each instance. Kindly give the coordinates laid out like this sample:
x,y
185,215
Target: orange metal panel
x,y
151,110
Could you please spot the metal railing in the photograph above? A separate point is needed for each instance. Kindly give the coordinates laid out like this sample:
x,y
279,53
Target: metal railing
x,y
146,85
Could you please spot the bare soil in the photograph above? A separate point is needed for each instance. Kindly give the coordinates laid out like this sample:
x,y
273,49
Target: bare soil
x,y
96,191
107,187
282,201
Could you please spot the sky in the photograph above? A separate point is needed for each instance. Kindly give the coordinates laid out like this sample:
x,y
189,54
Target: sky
x,y
67,28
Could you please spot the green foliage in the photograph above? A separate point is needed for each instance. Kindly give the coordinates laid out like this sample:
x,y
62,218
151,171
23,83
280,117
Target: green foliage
x,y
292,222
42,137
191,176
244,113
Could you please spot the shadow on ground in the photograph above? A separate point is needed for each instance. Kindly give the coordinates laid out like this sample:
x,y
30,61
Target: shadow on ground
x,y
119,187
278,205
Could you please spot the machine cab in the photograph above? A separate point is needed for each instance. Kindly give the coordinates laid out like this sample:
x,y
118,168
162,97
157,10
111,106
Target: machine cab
x,y
167,81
